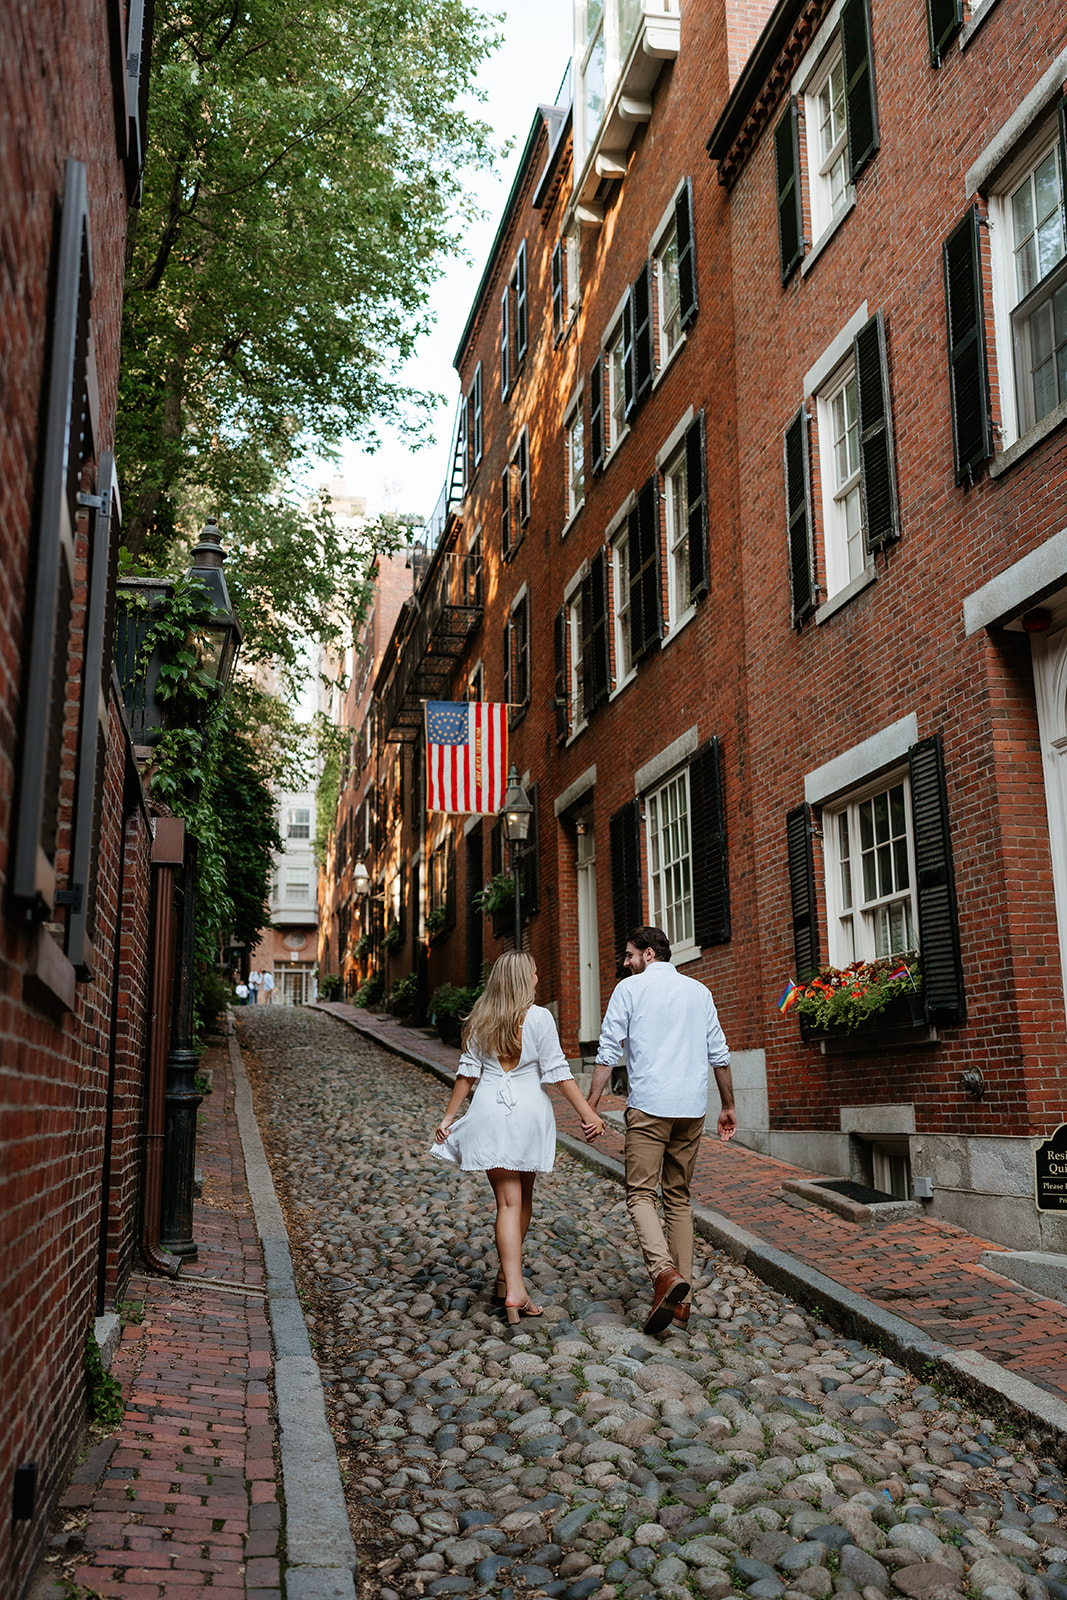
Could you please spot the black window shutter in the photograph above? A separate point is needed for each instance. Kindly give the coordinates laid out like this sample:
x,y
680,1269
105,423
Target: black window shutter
x,y
696,489
463,443
557,287
585,616
707,820
629,380
505,347
787,180
861,111
559,642
450,882
798,517
644,355
627,901
530,865
522,325
881,515
802,891
1062,108
945,19
522,665
687,266
116,27
505,510
601,634
67,444
596,416
939,932
509,666
92,734
524,477
476,415
140,14
646,610
972,424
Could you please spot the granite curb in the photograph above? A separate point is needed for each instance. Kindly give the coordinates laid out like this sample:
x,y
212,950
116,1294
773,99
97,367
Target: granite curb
x,y
966,1371
320,1550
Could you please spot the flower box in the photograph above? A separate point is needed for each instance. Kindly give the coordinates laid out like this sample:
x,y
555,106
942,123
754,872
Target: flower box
x,y
902,1014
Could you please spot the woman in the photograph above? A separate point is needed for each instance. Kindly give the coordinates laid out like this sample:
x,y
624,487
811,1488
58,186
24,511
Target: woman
x,y
512,1047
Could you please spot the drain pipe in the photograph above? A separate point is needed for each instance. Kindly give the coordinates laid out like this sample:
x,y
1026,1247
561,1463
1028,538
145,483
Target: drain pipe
x,y
168,856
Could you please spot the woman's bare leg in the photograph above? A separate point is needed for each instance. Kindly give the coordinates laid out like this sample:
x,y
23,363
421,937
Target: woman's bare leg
x,y
511,1190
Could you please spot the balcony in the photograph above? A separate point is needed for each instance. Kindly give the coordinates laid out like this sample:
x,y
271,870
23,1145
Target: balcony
x,y
430,637
615,79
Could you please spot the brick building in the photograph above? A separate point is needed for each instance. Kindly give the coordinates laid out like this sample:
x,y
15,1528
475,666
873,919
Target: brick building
x,y
88,878
756,525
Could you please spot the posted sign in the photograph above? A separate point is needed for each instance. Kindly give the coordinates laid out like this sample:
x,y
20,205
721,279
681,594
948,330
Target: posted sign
x,y
1050,1172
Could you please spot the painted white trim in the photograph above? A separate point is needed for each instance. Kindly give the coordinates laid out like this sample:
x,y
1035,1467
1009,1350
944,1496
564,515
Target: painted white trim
x,y
674,439
861,581
1025,581
1049,652
836,351
1001,147
847,206
520,596
676,753
574,791
574,582
812,56
853,766
620,516
667,220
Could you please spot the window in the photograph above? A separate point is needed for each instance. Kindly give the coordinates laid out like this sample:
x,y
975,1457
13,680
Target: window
x,y
575,701
668,303
591,56
474,418
476,683
870,856
670,877
620,588
1030,266
515,496
584,663
565,285
298,822
839,458
676,503
297,886
646,603
606,35
517,656
514,323
616,377
835,82
574,447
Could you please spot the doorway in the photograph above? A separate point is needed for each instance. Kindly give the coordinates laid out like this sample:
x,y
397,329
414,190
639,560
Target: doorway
x,y
1050,688
296,983
588,944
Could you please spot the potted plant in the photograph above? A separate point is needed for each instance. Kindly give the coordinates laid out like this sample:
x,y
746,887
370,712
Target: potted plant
x,y
436,919
391,937
498,895
865,997
361,946
370,991
449,1005
330,986
403,994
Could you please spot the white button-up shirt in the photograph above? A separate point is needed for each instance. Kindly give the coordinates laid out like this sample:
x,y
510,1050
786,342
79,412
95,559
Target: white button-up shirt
x,y
667,1028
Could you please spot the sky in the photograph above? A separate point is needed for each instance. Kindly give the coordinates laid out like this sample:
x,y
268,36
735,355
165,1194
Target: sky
x,y
524,72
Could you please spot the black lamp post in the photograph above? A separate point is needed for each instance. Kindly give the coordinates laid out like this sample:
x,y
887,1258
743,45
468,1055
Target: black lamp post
x,y
217,642
515,824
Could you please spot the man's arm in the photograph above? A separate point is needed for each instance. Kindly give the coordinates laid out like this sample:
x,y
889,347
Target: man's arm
x,y
610,1050
727,1116
601,1074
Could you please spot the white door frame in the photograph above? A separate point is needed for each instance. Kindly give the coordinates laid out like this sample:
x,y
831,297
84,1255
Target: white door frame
x,y
589,1013
1050,689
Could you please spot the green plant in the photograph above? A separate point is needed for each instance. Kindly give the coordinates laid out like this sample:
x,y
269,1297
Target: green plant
x,y
497,895
392,936
449,1000
131,1311
370,991
362,945
330,986
212,996
103,1392
403,993
436,919
846,997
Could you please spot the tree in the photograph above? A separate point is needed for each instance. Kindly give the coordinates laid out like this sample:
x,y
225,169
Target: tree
x,y
302,188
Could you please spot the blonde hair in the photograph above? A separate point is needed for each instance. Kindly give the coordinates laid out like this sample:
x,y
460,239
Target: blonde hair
x,y
494,1027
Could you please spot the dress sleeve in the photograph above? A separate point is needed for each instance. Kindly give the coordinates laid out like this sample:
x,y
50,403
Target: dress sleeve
x,y
550,1057
470,1066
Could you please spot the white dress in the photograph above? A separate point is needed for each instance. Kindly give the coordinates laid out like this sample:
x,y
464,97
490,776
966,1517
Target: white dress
x,y
510,1122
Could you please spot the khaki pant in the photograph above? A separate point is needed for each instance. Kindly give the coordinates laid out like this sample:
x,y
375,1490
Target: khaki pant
x,y
661,1152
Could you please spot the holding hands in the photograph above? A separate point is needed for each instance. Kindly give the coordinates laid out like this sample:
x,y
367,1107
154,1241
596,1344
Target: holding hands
x,y
594,1128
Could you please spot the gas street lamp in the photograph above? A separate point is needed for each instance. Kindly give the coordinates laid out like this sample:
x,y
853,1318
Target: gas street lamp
x,y
515,826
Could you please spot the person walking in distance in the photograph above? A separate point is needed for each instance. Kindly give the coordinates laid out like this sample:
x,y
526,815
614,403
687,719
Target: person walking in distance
x,y
268,986
255,978
666,1027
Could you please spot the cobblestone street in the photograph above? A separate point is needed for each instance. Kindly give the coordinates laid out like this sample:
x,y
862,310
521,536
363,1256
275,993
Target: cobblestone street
x,y
760,1453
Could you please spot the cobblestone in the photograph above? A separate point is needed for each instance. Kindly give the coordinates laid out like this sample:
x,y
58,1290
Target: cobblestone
x,y
759,1453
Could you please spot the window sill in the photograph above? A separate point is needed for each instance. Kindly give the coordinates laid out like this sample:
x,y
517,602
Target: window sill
x,y
684,954
619,687
49,976
513,549
675,628
564,332
666,366
578,729
834,604
1033,436
824,239
516,716
616,447
571,520
978,16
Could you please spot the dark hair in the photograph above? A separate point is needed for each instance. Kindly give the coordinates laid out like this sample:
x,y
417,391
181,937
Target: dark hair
x,y
653,939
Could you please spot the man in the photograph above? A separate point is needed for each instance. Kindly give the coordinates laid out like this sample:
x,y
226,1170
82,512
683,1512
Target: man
x,y
667,1028
255,978
268,986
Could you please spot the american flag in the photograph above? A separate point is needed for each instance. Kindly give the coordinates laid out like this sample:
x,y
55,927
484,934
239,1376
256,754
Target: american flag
x,y
466,755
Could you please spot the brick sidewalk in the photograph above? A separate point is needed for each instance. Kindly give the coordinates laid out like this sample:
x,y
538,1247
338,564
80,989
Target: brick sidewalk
x,y
922,1270
185,1497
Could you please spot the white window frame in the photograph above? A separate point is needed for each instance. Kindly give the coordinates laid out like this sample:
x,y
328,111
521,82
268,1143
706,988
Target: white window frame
x,y
837,494
296,887
572,599
669,335
852,929
670,871
293,822
808,81
618,539
572,266
574,460
1011,331
680,607
615,425
476,681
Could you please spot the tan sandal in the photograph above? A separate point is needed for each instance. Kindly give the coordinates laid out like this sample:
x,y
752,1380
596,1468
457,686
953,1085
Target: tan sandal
x,y
526,1309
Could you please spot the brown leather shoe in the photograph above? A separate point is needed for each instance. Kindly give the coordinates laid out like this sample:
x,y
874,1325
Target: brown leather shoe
x,y
669,1288
681,1314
